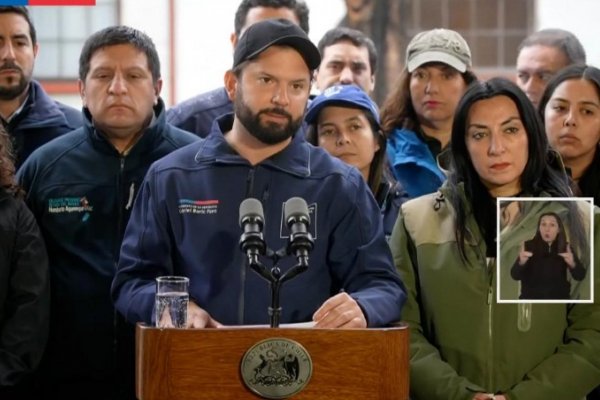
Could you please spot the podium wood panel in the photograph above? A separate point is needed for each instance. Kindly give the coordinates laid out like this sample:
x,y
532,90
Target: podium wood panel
x,y
182,364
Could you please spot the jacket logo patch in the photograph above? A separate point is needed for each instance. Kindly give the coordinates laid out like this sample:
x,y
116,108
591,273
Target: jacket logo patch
x,y
187,206
69,205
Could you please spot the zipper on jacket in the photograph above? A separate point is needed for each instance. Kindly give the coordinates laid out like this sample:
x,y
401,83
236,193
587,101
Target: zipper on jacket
x,y
265,195
120,196
490,264
131,196
250,183
116,250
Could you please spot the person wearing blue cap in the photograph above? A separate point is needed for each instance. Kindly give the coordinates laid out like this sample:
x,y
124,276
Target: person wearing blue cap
x,y
344,121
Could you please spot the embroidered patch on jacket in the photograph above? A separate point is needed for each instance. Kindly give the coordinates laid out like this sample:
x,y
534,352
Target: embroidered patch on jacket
x,y
68,205
188,206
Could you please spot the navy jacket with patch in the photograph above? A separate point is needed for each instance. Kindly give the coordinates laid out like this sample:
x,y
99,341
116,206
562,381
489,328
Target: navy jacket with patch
x,y
41,120
81,190
185,222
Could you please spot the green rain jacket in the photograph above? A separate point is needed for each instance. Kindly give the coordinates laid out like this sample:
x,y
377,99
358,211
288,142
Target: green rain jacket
x,y
462,341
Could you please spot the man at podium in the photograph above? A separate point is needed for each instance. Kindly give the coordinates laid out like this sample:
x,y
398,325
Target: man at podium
x,y
185,219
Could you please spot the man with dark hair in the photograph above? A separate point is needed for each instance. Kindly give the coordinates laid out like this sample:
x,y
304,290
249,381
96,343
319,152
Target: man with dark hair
x,y
198,113
541,55
29,115
349,57
248,11
259,152
81,188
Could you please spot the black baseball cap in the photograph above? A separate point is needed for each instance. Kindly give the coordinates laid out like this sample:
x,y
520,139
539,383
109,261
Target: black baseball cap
x,y
264,34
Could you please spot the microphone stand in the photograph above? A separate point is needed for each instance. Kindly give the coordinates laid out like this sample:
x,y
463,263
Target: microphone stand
x,y
253,244
275,278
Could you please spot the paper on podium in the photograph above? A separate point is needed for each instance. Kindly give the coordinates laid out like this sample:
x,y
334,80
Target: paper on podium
x,y
294,325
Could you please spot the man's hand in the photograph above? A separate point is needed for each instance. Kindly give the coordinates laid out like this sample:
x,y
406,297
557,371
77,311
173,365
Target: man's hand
x,y
199,318
340,311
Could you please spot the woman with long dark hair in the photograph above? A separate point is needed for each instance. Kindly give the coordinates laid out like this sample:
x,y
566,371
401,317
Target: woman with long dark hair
x,y
463,344
417,114
570,107
24,285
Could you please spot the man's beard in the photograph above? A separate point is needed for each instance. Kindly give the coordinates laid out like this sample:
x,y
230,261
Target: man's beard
x,y
269,133
12,92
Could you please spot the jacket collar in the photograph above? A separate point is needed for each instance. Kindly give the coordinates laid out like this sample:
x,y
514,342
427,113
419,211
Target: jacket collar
x,y
294,159
39,110
145,143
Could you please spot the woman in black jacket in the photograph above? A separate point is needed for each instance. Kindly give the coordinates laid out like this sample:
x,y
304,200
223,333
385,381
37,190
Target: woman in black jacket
x,y
546,261
24,285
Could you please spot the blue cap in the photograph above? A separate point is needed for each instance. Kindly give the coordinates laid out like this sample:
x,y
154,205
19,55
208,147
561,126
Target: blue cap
x,y
341,96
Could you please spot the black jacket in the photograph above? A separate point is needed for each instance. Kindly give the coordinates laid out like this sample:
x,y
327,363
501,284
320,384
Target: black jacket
x,y
81,190
24,294
544,275
589,184
41,120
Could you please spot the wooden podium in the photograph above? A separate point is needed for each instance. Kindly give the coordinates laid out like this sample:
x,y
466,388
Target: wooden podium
x,y
181,364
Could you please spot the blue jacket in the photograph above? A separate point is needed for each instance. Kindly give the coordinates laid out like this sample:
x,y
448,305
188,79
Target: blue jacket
x,y
81,190
185,222
197,114
41,120
413,164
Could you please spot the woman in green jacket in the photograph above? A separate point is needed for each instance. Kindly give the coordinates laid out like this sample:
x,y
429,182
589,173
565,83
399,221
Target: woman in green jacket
x,y
463,344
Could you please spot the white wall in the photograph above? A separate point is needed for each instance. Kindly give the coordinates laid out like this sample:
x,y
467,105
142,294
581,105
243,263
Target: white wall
x,y
577,16
155,23
203,51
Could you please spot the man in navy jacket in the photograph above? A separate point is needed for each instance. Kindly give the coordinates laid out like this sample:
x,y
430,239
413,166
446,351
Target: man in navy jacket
x,y
27,113
81,188
185,220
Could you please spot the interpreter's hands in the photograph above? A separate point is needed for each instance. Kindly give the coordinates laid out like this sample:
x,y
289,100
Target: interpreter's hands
x,y
524,255
340,311
199,318
568,257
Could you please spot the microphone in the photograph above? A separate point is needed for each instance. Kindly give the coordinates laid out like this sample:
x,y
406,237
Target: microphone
x,y
252,220
296,216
